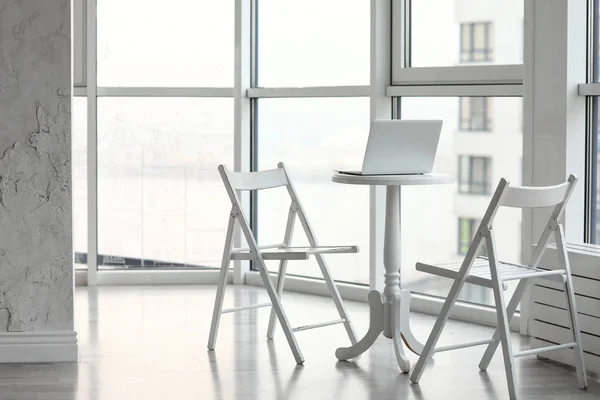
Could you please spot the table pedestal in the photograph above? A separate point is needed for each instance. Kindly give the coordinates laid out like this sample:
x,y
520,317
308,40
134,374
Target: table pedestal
x,y
389,311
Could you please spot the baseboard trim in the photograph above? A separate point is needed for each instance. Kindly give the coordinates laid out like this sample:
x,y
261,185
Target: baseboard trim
x,y
38,347
151,277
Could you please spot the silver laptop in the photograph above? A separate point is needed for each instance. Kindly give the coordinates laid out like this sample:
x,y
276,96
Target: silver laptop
x,y
400,146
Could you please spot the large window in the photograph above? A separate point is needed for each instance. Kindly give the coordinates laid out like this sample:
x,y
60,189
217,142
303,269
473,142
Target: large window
x,y
165,123
476,42
466,32
465,72
313,42
314,136
161,203
182,43
474,174
448,206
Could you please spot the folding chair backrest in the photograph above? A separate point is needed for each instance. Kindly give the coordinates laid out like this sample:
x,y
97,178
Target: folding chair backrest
x,y
530,197
258,180
536,197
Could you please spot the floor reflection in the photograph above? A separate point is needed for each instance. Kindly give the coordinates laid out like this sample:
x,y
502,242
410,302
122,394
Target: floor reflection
x,y
149,343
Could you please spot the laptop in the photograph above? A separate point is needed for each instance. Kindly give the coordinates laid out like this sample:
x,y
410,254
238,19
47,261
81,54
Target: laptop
x,y
400,146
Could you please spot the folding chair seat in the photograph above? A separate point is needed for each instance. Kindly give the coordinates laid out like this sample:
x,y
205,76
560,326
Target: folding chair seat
x,y
283,252
260,180
481,274
493,273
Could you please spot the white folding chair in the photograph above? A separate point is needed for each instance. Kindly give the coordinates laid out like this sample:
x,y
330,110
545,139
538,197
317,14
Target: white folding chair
x,y
237,181
492,273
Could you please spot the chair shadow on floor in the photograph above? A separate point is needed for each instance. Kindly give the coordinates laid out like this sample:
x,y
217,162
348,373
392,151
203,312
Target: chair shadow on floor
x,y
351,371
283,391
403,387
249,356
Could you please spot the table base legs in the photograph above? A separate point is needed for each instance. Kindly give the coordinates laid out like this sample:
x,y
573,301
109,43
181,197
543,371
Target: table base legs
x,y
398,315
375,328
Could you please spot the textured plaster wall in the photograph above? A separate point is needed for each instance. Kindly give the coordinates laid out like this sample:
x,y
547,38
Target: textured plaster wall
x,y
36,269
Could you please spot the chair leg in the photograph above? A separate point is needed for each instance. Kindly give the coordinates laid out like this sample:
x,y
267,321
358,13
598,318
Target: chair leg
x,y
429,347
214,326
280,283
285,324
337,299
572,309
510,311
438,327
287,239
503,327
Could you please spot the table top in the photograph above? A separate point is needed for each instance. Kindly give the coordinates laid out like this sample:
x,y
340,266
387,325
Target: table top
x,y
393,180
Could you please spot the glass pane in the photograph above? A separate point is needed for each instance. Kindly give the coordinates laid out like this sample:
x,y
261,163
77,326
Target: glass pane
x,y
145,43
313,42
446,45
313,137
437,229
161,202
79,162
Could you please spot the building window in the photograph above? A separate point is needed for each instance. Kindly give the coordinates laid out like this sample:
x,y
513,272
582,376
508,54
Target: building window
x,y
466,230
475,114
476,42
474,174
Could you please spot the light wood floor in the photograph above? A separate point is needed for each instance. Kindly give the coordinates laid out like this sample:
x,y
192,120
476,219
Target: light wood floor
x,y
149,343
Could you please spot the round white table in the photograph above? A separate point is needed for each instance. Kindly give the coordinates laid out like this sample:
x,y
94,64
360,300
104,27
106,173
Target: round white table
x,y
389,311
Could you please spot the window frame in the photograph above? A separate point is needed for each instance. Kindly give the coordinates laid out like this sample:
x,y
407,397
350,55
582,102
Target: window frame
x,y
254,93
466,74
245,94
85,85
